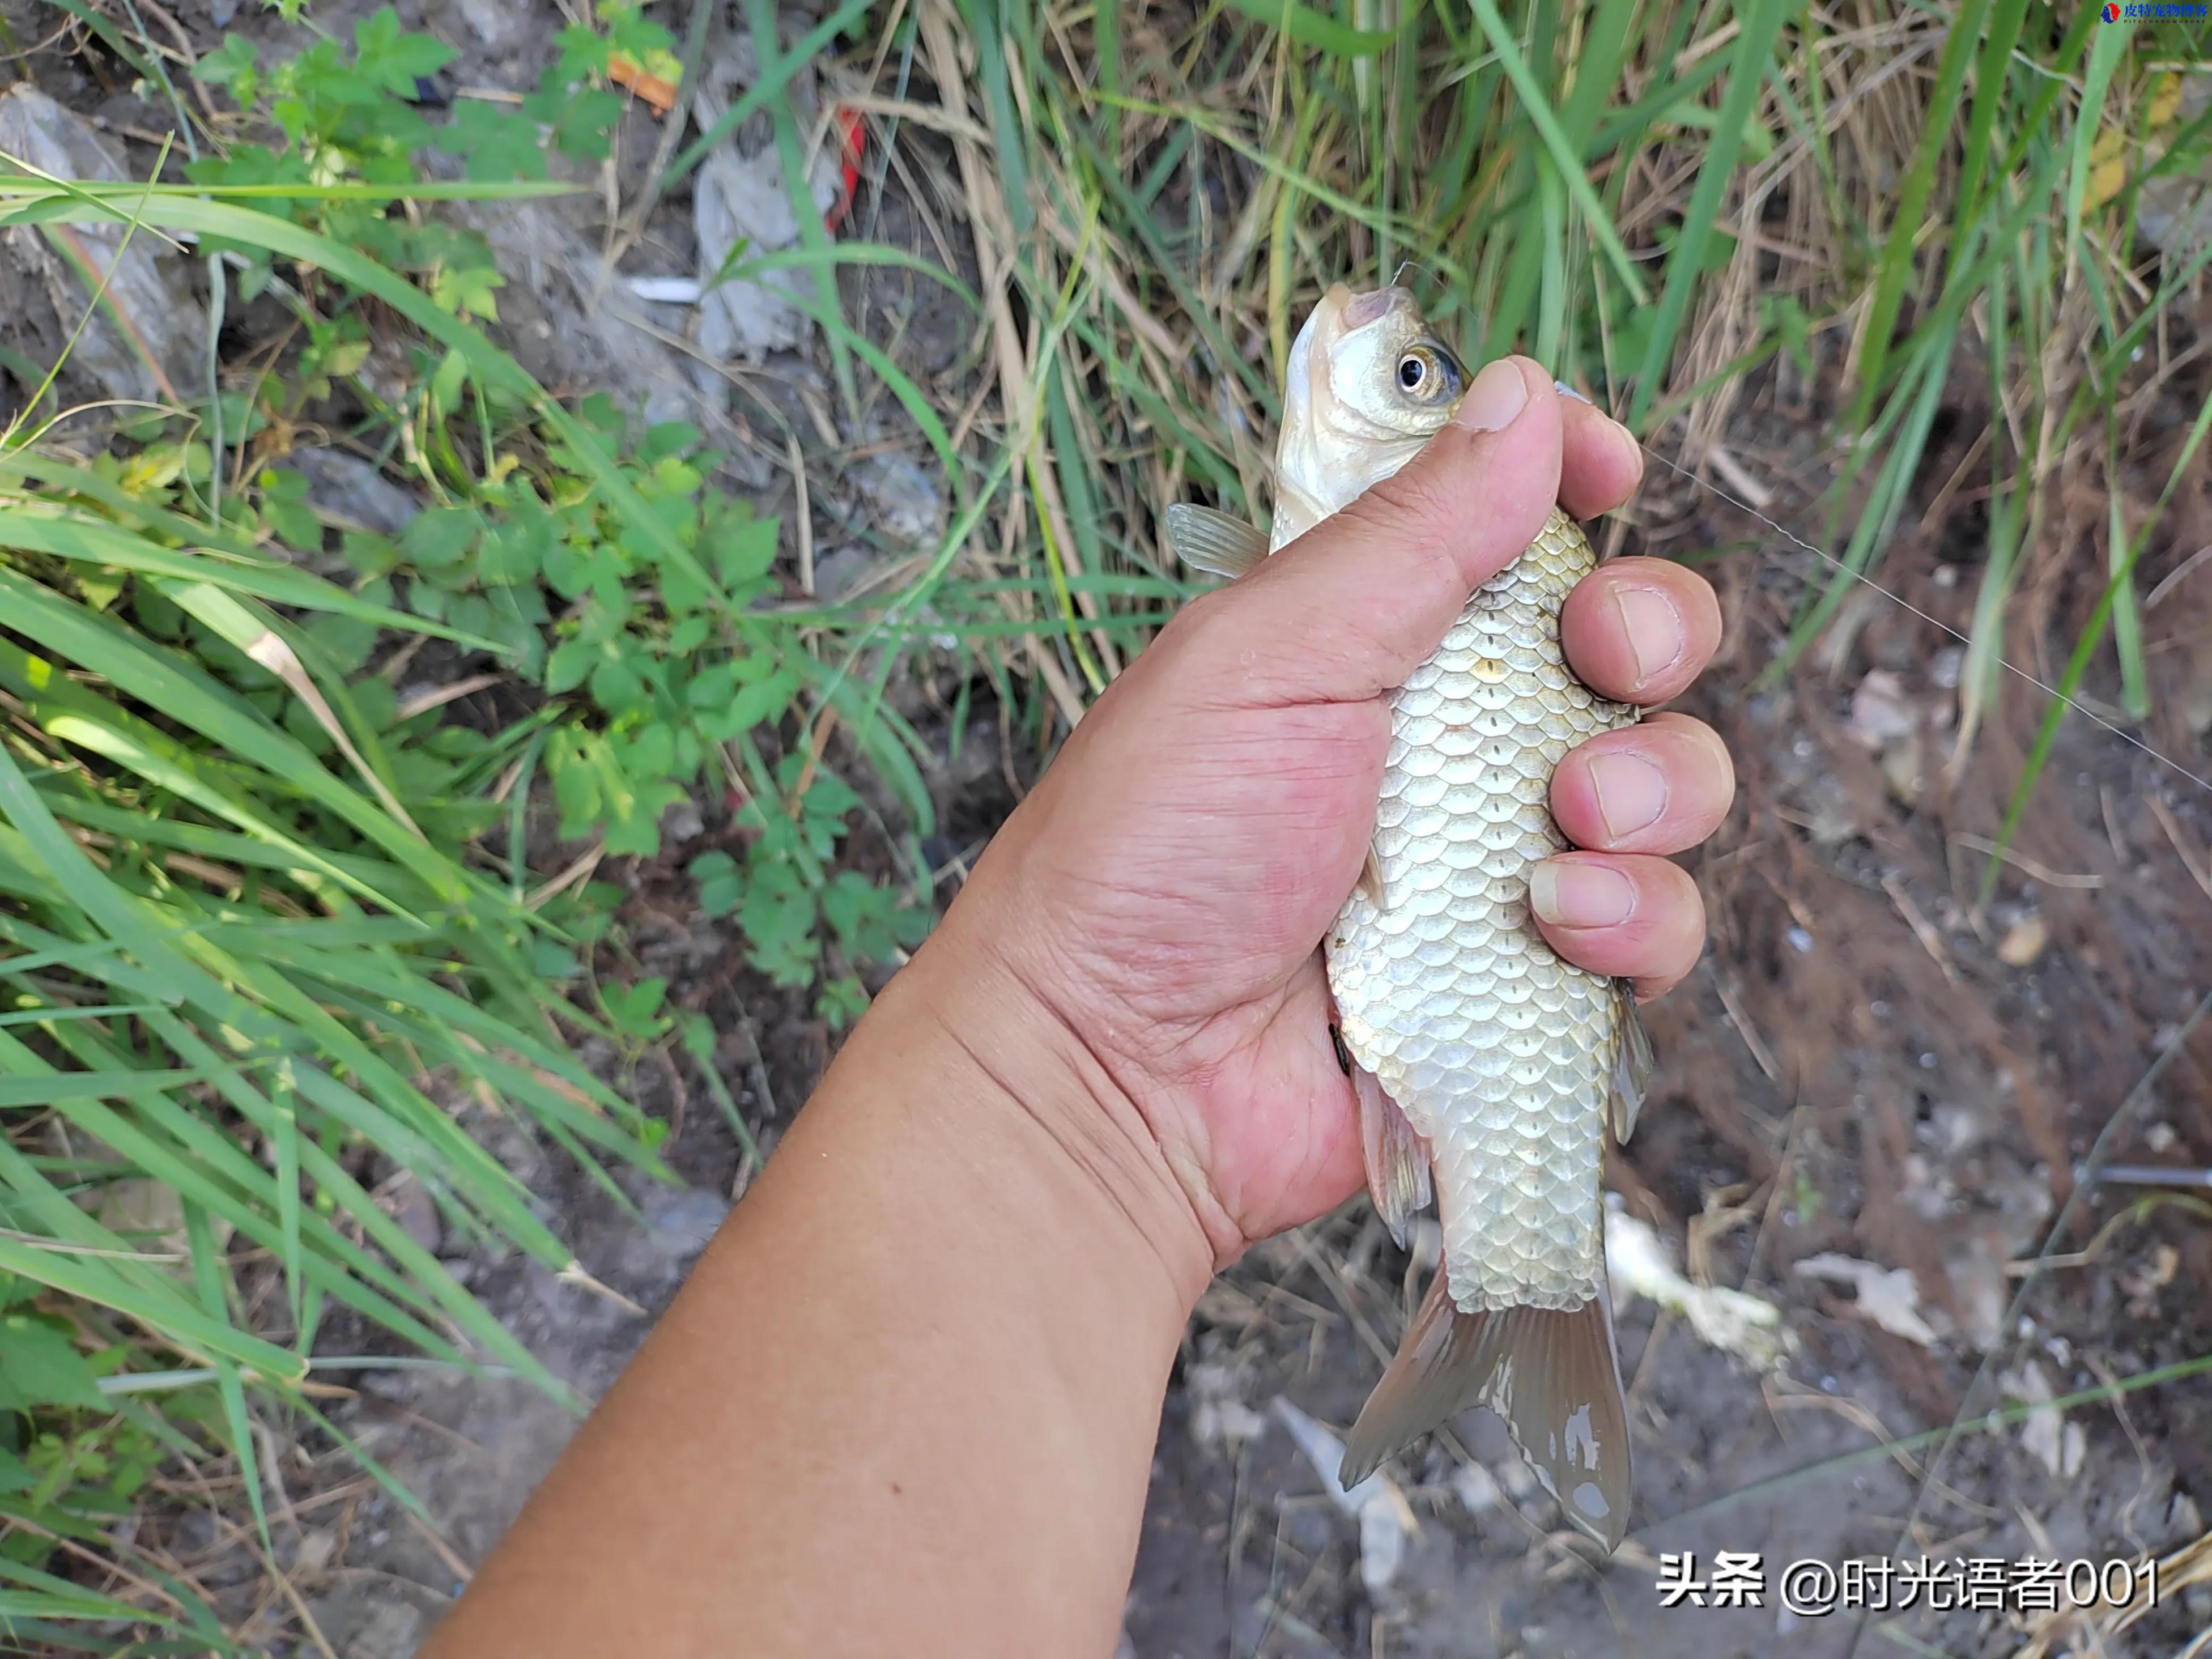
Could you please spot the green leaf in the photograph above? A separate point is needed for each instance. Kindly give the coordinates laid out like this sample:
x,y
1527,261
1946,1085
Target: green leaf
x,y
570,663
40,1366
441,536
392,59
634,1009
1317,29
498,144
778,915
232,62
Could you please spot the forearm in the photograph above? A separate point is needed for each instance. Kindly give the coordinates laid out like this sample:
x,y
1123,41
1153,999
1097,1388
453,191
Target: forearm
x,y
908,1400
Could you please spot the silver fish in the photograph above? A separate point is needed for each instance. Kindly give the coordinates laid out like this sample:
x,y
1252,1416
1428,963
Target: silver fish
x,y
1486,1067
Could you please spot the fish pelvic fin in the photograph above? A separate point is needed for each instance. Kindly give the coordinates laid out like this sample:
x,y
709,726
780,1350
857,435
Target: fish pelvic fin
x,y
1397,1158
1554,1377
1206,539
1633,1063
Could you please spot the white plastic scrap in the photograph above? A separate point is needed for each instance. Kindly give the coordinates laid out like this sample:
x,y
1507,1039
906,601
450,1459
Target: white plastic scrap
x,y
1386,1520
742,210
1219,1415
1735,1322
1889,1297
2058,1444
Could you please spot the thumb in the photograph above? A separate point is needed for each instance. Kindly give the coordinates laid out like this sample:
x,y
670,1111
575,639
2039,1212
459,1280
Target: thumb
x,y
1346,611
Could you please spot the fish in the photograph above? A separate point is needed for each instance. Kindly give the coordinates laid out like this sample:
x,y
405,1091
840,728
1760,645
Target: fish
x,y
1487,1068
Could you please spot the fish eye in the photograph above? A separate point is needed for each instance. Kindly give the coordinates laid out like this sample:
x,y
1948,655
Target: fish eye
x,y
1429,375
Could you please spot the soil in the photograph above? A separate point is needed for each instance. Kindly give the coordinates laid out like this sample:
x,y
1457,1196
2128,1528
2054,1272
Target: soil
x,y
1868,1064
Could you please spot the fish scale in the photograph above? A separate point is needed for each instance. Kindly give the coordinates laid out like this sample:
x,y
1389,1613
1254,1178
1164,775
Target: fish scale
x,y
1500,1054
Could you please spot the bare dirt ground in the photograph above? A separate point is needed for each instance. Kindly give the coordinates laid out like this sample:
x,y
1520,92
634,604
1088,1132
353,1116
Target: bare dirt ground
x,y
1865,1067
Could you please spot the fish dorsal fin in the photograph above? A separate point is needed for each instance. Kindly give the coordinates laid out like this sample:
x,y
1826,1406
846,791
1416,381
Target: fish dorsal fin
x,y
1211,541
1633,1064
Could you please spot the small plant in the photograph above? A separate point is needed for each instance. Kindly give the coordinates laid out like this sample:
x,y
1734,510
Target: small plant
x,y
647,690
359,115
785,914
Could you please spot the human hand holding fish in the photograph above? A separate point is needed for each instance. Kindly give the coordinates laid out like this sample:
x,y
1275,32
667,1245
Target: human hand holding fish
x,y
1171,875
931,1343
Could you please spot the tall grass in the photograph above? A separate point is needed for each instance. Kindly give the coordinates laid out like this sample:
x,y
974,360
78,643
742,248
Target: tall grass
x,y
240,976
1674,206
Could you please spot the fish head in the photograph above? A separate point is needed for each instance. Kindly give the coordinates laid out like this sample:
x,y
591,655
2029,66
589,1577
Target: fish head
x,y
1368,382
1387,373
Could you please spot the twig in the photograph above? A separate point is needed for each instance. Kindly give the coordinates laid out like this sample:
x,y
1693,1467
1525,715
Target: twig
x,y
2024,863
1922,929
2191,861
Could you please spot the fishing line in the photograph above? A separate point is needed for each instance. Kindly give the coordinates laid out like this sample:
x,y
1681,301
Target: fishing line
x,y
1833,563
2095,1167
2077,1202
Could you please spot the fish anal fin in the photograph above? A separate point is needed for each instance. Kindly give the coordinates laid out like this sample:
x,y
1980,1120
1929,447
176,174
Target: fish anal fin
x,y
1397,1158
1209,540
1633,1065
1551,1375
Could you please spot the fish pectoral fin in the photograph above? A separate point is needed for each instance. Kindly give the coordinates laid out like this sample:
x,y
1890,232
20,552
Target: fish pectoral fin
x,y
1369,884
1397,1158
1633,1064
1211,541
1551,1375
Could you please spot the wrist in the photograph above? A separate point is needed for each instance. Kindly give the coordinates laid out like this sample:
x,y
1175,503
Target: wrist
x,y
1017,1090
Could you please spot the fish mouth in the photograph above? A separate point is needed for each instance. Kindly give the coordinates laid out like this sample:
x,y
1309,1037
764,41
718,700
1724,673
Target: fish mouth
x,y
1343,310
1357,310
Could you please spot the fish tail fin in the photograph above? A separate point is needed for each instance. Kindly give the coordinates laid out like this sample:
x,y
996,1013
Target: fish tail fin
x,y
1553,1377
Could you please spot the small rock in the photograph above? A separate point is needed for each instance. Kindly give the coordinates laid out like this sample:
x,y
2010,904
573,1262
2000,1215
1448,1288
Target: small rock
x,y
1881,712
1220,1417
315,1550
416,1212
144,341
392,1631
837,570
682,822
1477,1489
908,506
2024,941
2185,1521
347,488
147,1212
495,22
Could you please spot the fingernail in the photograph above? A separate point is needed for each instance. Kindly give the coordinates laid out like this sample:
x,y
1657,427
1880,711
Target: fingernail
x,y
1655,630
1497,395
1631,793
1575,895
1566,391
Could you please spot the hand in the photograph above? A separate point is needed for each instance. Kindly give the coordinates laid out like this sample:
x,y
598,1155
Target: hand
x,y
1163,891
